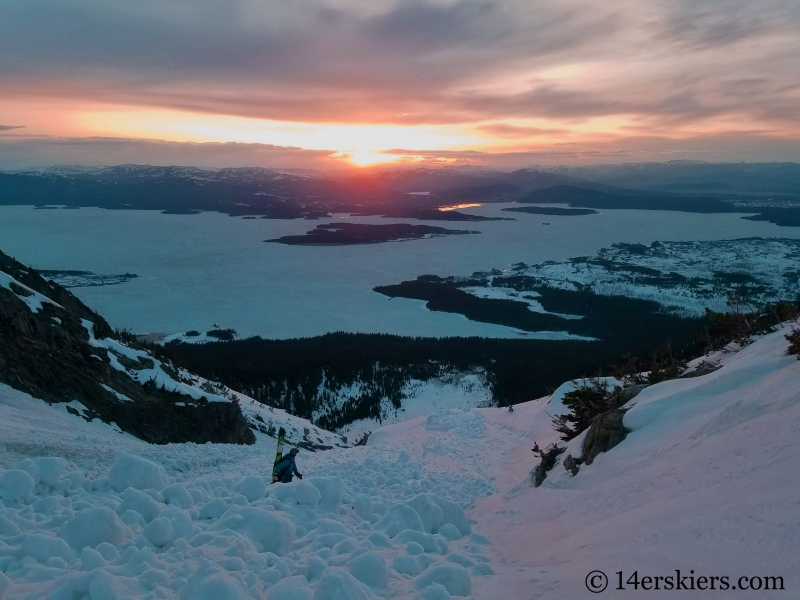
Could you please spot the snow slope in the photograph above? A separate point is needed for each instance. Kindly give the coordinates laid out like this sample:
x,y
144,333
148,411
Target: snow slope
x,y
89,512
450,389
705,481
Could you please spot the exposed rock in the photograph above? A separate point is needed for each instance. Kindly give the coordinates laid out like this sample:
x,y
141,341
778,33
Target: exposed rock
x,y
629,393
572,465
48,354
703,368
548,461
134,365
19,290
605,432
793,337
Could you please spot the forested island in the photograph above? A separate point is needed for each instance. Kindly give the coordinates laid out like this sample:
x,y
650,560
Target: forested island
x,y
348,234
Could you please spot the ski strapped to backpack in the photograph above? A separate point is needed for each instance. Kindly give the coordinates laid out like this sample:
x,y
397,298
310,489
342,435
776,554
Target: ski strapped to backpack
x,y
278,454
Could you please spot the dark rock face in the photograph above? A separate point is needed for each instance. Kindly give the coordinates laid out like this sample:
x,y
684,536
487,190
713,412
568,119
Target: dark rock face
x,y
704,368
48,355
573,465
605,432
629,393
548,461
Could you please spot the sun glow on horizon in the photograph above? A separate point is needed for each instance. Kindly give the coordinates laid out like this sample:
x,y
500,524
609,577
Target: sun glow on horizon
x,y
367,158
358,144
513,141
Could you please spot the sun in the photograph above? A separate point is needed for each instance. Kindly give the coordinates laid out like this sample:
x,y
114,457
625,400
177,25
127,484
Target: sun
x,y
365,158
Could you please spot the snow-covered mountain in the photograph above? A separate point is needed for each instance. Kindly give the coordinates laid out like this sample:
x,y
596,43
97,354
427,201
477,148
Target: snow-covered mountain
x,y
436,507
55,348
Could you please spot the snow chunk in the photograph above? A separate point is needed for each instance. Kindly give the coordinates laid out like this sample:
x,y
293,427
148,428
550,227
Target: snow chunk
x,y
46,505
214,509
363,506
330,489
91,559
41,547
380,540
338,584
136,472
181,520
8,528
51,469
139,502
425,540
370,569
93,526
291,588
210,583
253,488
429,512
453,514
398,518
454,578
179,494
159,531
460,559
406,565
16,485
450,532
29,466
102,587
435,591
307,494
267,531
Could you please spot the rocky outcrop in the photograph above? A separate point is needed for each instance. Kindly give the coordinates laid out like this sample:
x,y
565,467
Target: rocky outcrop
x,y
47,353
548,461
572,465
628,393
605,432
703,368
793,338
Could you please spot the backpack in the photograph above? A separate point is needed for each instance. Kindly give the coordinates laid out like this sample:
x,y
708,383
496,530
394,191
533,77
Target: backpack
x,y
282,467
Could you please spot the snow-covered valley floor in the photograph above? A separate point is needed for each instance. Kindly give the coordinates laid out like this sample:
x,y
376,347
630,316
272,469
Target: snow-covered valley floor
x,y
437,506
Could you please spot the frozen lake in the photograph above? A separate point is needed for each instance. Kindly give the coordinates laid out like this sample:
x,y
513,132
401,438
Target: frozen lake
x,y
197,270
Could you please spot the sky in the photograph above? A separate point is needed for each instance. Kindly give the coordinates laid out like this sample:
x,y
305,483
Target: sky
x,y
341,83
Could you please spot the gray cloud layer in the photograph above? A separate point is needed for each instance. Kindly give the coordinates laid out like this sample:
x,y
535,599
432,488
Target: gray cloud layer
x,y
410,61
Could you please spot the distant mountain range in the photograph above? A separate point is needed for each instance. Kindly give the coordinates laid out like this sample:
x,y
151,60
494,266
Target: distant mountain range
x,y
770,189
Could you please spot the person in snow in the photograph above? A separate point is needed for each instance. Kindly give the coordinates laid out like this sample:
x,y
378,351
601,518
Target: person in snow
x,y
287,467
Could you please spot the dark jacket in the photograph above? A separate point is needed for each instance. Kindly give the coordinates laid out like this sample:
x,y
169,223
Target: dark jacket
x,y
286,468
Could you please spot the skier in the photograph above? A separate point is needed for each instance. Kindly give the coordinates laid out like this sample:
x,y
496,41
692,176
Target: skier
x,y
287,467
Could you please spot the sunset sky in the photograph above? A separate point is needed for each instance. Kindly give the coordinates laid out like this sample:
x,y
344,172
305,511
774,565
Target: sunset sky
x,y
332,83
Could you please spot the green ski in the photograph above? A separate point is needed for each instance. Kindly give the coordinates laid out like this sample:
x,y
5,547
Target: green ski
x,y
278,454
